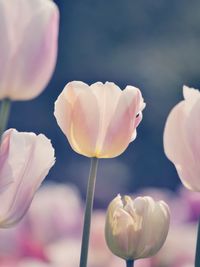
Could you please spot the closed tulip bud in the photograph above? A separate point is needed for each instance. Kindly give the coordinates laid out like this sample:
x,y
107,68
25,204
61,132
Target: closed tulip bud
x,y
28,47
25,160
181,138
99,120
136,228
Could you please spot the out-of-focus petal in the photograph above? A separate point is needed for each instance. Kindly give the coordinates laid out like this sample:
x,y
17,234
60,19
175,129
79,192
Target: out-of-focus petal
x,y
30,159
181,138
6,174
42,218
28,49
174,136
192,128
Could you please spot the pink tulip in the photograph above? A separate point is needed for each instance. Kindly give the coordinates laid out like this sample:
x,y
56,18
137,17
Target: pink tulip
x,y
28,47
99,120
181,138
26,162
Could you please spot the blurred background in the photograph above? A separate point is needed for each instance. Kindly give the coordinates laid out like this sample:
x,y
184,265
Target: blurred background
x,y
153,45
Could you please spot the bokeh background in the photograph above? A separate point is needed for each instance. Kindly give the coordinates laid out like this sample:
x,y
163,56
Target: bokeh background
x,y
153,45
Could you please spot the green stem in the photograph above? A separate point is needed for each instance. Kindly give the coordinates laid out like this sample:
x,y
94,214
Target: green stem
x,y
4,114
129,263
197,256
88,212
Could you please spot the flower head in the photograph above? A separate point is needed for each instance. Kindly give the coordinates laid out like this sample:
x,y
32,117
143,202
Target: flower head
x,y
136,228
99,120
28,47
25,160
181,138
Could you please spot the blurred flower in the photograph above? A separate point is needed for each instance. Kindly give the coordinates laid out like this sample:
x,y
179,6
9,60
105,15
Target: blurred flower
x,y
136,228
25,158
179,248
66,221
181,138
28,47
59,246
99,120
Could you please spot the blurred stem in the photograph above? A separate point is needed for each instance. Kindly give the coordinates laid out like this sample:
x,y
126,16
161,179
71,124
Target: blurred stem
x,y
129,263
88,212
4,114
197,256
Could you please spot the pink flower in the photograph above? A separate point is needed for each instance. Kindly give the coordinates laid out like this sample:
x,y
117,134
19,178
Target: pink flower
x,y
26,163
42,218
99,120
181,138
175,252
28,47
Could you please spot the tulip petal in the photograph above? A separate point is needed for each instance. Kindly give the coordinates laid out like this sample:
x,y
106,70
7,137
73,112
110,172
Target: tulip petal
x,y
181,140
6,174
30,159
31,47
85,124
189,169
5,47
122,125
121,233
78,117
154,230
107,97
175,145
190,94
65,102
193,122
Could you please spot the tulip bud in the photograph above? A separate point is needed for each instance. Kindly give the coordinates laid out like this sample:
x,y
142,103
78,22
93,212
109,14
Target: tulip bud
x,y
181,138
25,160
136,228
28,47
99,120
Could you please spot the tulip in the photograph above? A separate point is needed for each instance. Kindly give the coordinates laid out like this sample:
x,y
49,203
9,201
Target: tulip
x,y
25,160
181,138
136,228
28,47
99,120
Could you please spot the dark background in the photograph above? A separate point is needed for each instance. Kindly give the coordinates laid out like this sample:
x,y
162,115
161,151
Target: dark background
x,y
153,45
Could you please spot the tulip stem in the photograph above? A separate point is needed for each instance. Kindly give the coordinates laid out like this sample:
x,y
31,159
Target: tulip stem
x,y
197,256
129,263
88,212
4,114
